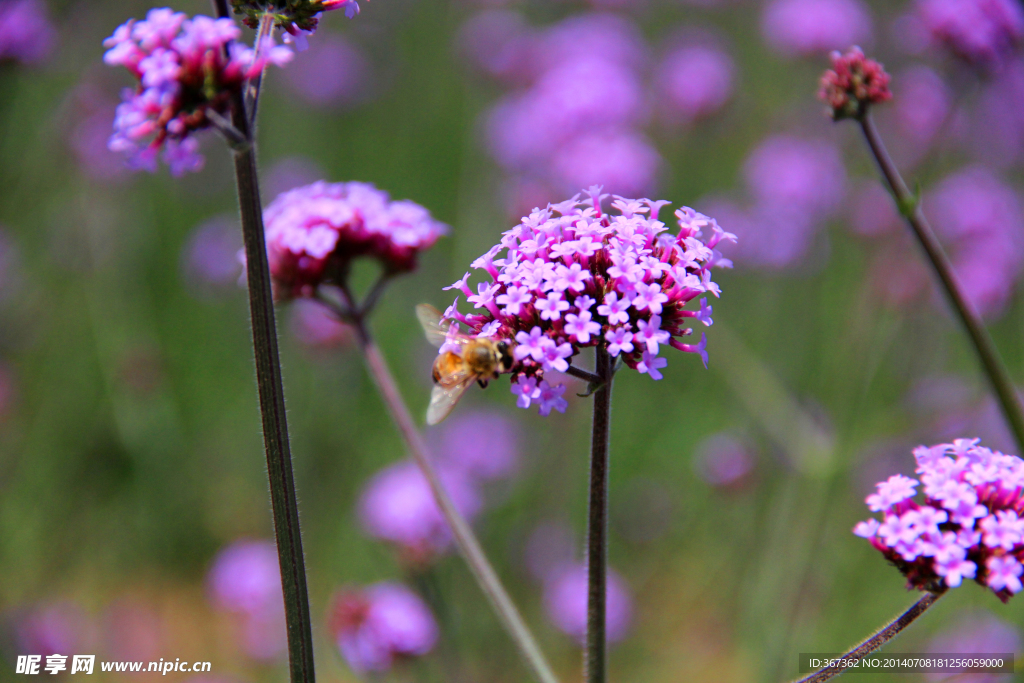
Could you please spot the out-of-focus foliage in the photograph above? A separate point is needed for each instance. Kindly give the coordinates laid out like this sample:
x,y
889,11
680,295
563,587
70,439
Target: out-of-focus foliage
x,y
130,447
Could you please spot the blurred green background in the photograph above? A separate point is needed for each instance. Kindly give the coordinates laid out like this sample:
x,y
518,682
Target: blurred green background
x,y
130,447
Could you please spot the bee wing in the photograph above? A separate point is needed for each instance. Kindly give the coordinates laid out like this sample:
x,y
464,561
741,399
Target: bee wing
x,y
446,394
430,319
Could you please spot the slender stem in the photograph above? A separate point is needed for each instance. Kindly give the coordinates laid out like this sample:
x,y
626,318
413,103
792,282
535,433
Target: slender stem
x,y
910,207
254,86
887,633
466,540
594,655
284,502
580,373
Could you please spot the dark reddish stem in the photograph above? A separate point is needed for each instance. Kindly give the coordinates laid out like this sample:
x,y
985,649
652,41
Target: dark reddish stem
x,y
910,206
283,500
594,654
887,633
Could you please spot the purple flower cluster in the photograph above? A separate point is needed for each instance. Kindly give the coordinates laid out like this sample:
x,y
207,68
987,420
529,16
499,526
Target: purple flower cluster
x,y
809,27
572,275
377,625
26,34
565,602
313,232
969,525
577,120
397,505
245,578
186,69
695,79
984,33
794,184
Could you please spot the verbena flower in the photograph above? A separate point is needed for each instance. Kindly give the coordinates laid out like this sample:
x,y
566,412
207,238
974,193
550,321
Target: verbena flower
x,y
481,444
984,33
245,578
565,601
313,233
853,84
398,506
51,628
26,34
377,625
186,69
806,27
695,80
572,275
968,525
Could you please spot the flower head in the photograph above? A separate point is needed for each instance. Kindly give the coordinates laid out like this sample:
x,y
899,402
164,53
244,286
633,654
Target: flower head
x,y
314,232
984,33
968,525
188,71
26,34
565,601
561,261
376,625
852,84
398,506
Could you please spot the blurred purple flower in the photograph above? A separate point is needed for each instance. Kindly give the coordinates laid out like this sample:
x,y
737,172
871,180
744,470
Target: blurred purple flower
x,y
549,549
378,624
209,259
976,632
980,218
802,174
315,326
288,173
497,43
623,162
397,505
921,110
88,140
482,444
565,601
808,27
26,34
997,119
723,460
55,628
245,578
982,32
333,72
596,34
695,81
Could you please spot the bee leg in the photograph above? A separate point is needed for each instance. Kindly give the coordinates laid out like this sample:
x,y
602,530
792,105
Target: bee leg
x,y
482,383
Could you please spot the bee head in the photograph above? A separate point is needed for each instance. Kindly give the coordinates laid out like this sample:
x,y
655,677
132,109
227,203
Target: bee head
x,y
504,356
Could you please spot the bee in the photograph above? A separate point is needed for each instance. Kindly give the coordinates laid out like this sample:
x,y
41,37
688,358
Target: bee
x,y
478,360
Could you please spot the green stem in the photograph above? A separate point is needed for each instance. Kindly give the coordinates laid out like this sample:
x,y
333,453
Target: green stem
x,y
594,654
910,206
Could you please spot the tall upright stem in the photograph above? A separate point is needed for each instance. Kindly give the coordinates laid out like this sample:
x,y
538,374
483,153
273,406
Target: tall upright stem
x,y
272,409
465,539
991,361
594,655
884,635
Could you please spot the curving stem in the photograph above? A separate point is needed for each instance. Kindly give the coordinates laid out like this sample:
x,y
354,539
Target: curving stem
x,y
910,206
594,654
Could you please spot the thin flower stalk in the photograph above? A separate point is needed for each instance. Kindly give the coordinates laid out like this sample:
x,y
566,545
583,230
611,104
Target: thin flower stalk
x,y
909,205
284,502
887,633
595,654
465,539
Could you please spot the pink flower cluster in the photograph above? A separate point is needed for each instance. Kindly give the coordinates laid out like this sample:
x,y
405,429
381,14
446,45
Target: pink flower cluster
x,y
853,84
376,625
573,276
969,525
314,231
186,68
